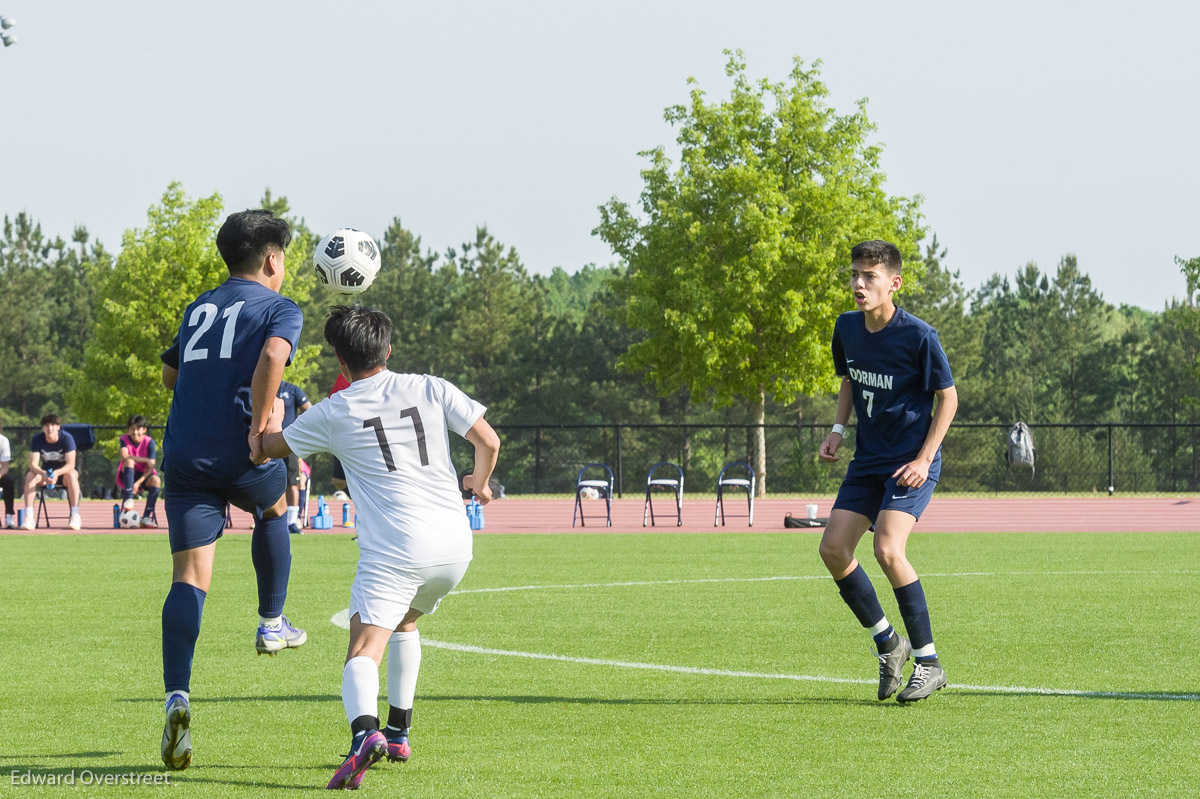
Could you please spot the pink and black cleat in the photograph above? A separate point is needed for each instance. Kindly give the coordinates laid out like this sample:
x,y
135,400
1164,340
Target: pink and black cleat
x,y
363,754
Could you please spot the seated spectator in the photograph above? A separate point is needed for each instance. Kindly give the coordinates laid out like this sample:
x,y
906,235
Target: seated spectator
x,y
52,464
7,487
138,469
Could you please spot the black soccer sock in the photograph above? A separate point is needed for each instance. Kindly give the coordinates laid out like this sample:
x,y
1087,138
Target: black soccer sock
x,y
151,499
364,725
181,615
399,719
271,553
859,594
911,599
127,482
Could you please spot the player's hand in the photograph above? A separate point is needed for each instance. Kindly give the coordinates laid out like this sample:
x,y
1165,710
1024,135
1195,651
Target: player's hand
x,y
829,447
483,493
913,474
257,456
275,418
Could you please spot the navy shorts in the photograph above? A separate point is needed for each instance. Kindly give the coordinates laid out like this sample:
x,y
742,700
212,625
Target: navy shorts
x,y
195,504
868,494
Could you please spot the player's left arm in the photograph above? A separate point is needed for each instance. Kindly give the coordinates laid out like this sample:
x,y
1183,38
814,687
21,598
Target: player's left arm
x,y
264,386
487,449
916,472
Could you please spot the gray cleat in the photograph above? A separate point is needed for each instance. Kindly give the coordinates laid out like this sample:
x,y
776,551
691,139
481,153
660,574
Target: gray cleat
x,y
891,667
924,681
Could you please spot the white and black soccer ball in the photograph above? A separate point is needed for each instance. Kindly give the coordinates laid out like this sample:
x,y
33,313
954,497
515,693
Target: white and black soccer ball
x,y
347,261
130,519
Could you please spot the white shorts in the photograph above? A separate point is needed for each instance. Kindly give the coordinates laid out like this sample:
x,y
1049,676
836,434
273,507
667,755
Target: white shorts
x,y
381,595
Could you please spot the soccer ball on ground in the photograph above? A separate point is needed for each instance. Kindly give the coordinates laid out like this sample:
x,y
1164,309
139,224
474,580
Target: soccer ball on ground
x,y
130,519
347,261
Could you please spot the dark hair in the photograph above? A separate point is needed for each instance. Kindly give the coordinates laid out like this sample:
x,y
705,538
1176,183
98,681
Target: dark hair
x,y
877,251
137,420
50,418
244,238
361,336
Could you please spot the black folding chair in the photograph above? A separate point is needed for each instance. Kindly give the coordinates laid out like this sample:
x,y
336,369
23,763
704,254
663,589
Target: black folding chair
x,y
604,486
736,483
664,483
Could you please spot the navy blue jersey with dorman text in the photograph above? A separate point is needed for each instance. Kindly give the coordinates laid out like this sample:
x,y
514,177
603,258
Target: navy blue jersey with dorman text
x,y
893,376
216,352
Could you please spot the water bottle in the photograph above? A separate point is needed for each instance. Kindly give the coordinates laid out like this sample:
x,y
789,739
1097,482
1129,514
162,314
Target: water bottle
x,y
345,514
117,515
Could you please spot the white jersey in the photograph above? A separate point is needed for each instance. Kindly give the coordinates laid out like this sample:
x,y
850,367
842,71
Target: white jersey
x,y
392,434
5,450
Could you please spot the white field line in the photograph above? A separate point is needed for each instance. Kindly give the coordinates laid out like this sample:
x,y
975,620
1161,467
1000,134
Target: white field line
x,y
1076,573
342,619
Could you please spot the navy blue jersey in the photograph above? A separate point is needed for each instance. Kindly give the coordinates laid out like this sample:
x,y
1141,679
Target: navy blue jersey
x,y
54,455
216,351
293,397
893,374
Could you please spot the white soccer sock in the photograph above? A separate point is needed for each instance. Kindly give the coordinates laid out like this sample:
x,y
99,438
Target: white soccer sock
x,y
926,651
272,623
360,688
293,513
404,661
881,626
74,510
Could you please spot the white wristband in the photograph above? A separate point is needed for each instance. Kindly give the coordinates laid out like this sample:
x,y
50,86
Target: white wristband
x,y
840,429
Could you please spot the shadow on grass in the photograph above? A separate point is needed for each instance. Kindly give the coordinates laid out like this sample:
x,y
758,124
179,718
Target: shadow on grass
x,y
1118,696
601,700
80,755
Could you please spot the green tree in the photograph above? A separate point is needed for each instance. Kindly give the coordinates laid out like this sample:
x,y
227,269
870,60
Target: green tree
x,y
139,301
737,265
48,315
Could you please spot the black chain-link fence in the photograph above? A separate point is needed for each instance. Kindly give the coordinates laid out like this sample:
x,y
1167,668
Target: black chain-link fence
x,y
545,459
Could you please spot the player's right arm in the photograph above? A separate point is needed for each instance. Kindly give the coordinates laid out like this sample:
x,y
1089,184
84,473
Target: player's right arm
x,y
829,447
487,449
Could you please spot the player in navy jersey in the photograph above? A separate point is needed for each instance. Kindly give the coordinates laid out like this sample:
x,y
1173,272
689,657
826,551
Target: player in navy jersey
x,y
225,367
295,402
893,369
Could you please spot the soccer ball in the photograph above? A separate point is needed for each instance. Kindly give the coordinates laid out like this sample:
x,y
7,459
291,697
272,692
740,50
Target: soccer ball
x,y
591,493
130,519
347,261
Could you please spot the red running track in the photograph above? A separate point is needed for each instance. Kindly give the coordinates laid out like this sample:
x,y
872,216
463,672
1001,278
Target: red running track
x,y
947,514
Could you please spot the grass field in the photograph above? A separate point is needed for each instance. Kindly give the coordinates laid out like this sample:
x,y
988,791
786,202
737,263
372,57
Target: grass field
x,y
788,710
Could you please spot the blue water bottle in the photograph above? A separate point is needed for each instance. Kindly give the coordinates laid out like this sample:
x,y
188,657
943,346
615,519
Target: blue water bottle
x,y
345,514
117,515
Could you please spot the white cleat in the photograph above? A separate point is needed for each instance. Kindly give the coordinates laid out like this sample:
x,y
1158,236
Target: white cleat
x,y
30,523
75,523
177,734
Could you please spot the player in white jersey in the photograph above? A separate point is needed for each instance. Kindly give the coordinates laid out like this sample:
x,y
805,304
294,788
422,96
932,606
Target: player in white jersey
x,y
391,433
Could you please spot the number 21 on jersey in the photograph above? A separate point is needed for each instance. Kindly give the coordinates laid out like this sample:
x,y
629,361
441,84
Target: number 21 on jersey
x,y
202,319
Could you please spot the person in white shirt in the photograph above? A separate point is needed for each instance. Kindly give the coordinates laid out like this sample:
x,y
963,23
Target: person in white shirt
x,y
391,433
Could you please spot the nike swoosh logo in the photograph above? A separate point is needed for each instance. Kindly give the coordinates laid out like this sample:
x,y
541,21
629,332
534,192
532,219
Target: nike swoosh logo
x,y
899,496
849,360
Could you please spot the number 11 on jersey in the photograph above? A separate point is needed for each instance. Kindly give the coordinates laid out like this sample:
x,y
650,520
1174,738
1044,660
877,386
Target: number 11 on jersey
x,y
385,448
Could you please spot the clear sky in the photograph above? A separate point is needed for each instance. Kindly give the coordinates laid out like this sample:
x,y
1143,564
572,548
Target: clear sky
x,y
1032,129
